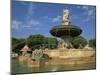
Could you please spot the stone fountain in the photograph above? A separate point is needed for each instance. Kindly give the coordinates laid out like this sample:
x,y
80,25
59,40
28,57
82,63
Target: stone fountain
x,y
65,30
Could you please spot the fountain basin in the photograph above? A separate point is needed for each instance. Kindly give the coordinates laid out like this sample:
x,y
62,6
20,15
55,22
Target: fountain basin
x,y
65,30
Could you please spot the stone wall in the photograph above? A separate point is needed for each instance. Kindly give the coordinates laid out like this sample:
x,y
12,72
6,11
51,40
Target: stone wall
x,y
70,53
62,56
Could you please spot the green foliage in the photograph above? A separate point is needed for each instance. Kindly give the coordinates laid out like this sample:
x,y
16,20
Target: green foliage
x,y
92,43
18,47
17,44
79,42
34,42
16,41
52,42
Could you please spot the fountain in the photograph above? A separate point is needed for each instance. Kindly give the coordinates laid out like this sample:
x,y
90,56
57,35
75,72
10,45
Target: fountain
x,y
66,31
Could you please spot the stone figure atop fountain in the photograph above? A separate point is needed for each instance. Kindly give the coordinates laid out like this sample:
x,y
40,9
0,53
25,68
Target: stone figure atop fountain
x,y
65,17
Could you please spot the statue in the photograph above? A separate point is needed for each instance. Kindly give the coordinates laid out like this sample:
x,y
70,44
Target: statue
x,y
65,17
37,54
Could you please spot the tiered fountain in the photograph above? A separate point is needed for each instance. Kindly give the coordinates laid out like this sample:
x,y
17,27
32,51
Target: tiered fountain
x,y
66,31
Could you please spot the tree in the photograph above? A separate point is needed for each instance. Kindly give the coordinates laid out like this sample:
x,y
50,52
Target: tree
x,y
17,44
35,40
16,40
79,42
52,42
16,48
92,43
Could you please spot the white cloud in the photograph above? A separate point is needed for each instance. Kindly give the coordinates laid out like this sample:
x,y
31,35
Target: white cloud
x,y
33,23
15,24
53,19
27,24
47,17
56,19
78,6
82,7
85,7
89,12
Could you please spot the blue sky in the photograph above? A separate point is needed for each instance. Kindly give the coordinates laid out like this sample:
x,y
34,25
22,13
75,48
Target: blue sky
x,y
29,18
